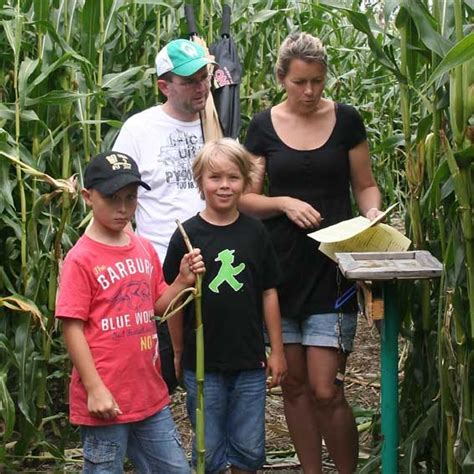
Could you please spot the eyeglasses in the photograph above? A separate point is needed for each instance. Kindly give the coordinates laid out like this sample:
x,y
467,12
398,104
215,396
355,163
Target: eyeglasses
x,y
194,83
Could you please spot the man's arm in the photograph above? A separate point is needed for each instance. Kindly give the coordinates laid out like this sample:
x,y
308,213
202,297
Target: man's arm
x,y
276,364
100,401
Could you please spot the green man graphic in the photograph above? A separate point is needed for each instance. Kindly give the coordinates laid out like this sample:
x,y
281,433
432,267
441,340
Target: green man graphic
x,y
227,272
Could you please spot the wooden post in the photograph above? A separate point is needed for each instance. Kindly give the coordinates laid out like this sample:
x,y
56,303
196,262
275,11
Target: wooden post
x,y
388,267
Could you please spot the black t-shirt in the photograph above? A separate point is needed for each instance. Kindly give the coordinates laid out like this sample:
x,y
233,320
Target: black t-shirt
x,y
320,177
240,264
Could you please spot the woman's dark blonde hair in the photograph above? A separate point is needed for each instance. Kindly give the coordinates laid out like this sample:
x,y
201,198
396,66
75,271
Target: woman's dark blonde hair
x,y
229,148
299,46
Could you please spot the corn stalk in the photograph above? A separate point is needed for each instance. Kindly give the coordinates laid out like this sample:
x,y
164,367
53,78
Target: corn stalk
x,y
200,417
13,30
460,107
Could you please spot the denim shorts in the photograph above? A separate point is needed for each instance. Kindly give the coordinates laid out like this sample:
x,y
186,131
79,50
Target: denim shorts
x,y
234,406
152,445
321,330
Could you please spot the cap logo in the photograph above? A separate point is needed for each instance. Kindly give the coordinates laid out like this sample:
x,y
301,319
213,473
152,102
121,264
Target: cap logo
x,y
189,50
118,161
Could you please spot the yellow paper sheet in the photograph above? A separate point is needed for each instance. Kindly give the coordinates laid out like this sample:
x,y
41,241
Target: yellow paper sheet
x,y
378,238
346,229
342,231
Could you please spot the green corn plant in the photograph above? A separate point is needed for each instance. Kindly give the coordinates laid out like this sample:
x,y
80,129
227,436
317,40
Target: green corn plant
x,y
462,176
72,71
438,168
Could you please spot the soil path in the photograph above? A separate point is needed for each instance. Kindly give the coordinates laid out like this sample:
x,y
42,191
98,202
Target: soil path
x,y
362,391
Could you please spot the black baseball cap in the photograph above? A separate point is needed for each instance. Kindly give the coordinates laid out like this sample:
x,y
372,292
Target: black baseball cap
x,y
111,171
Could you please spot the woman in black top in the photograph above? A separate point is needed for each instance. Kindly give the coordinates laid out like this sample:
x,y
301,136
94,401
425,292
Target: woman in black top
x,y
314,152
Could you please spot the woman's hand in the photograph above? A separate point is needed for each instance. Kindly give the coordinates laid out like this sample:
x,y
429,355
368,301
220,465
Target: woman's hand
x,y
301,213
373,213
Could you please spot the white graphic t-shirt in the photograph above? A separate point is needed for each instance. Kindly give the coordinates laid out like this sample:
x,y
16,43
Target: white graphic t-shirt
x,y
164,149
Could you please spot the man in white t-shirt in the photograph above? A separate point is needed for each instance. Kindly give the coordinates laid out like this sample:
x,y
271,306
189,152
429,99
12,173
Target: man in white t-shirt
x,y
164,140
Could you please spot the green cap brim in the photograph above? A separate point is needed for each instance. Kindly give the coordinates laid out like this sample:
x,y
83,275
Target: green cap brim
x,y
189,68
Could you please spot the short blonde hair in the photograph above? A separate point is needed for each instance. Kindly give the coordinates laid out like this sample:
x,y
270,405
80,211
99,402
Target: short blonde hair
x,y
299,46
229,148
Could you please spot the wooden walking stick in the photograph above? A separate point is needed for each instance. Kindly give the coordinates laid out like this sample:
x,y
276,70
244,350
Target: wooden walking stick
x,y
200,443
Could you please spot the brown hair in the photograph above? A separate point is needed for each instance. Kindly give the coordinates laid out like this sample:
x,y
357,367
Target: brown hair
x,y
299,46
232,150
167,76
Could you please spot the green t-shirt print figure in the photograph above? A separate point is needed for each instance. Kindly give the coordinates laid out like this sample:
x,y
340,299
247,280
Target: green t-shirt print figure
x,y
227,272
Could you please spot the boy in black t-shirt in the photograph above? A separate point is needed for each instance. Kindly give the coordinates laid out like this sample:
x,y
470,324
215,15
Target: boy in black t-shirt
x,y
238,293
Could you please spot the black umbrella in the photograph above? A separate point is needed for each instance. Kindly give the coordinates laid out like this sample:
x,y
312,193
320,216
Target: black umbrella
x,y
227,77
210,123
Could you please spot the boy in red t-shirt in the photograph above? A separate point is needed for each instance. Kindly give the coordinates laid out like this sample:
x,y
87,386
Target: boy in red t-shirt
x,y
111,286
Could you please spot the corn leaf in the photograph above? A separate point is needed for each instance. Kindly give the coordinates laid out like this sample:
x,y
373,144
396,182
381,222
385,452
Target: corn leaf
x,y
41,14
7,407
90,28
22,304
460,53
426,26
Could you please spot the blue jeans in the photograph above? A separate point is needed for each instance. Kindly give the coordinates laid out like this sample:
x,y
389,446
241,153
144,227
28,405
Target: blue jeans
x,y
234,410
153,445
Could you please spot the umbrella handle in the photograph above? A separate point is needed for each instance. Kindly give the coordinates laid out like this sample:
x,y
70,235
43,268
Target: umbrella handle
x,y
190,19
225,28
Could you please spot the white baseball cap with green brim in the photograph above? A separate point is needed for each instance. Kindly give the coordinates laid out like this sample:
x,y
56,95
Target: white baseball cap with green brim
x,y
181,57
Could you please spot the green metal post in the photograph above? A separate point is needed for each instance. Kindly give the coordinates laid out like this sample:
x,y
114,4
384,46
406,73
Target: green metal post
x,y
389,381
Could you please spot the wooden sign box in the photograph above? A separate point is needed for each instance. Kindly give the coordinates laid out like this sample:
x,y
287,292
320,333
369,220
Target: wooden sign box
x,y
412,265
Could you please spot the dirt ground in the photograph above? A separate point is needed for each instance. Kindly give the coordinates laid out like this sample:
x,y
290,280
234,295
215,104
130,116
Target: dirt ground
x,y
362,392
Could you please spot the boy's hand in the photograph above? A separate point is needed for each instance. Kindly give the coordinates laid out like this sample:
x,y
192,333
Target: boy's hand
x,y
102,404
276,368
191,265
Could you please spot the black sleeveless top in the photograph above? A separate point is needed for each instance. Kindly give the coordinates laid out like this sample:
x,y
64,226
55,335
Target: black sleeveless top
x,y
320,177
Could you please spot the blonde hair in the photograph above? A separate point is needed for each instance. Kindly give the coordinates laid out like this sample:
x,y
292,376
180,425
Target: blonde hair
x,y
299,46
229,148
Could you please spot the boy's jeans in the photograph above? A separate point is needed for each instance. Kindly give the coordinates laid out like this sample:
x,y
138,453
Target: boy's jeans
x,y
234,404
153,445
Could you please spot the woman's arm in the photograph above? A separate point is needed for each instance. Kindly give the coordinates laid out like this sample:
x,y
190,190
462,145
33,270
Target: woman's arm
x,y
253,202
364,187
100,402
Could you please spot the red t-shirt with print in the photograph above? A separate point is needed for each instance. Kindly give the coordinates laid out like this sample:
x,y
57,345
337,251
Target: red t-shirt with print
x,y
113,290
